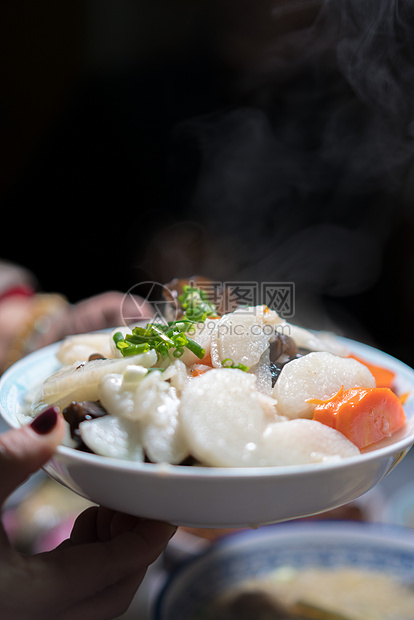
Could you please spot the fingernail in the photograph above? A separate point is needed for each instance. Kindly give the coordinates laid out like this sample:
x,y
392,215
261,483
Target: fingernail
x,y
46,421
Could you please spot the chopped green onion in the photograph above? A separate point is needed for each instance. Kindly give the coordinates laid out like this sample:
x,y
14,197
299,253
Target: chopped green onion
x,y
118,337
172,335
178,352
181,326
228,363
161,334
195,348
132,349
196,304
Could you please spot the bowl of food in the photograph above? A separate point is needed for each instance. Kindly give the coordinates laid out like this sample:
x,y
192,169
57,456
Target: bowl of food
x,y
298,571
217,420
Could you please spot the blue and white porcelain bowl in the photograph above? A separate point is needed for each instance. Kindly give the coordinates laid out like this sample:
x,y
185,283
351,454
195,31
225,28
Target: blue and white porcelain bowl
x,y
252,554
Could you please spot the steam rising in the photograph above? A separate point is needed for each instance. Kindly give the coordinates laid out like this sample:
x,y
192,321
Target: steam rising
x,y
375,53
297,178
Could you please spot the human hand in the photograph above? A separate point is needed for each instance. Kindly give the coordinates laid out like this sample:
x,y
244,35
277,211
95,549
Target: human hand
x,y
28,323
108,309
94,574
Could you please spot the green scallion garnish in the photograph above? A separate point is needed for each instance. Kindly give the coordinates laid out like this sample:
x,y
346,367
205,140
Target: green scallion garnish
x,y
172,335
228,363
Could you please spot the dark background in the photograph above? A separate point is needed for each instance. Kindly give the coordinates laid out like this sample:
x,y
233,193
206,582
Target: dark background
x,y
234,138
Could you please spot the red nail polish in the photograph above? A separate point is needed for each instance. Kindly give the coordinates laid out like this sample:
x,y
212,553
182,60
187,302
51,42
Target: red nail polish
x,y
46,421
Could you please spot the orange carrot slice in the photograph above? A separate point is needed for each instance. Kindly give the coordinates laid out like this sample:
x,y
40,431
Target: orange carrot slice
x,y
206,361
363,415
383,376
403,397
199,369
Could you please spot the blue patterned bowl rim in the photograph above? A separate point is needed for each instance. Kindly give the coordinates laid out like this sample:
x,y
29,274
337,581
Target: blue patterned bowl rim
x,y
242,555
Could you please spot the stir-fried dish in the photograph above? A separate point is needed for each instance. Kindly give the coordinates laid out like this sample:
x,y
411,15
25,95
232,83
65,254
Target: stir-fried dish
x,y
240,389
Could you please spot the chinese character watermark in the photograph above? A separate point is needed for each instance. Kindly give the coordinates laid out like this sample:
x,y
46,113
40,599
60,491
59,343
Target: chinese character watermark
x,y
227,297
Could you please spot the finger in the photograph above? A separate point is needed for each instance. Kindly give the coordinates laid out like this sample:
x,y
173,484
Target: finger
x,y
110,523
93,525
96,566
24,450
101,524
109,604
135,308
121,522
108,310
84,528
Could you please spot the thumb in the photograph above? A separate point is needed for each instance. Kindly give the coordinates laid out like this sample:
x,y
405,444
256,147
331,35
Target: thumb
x,y
24,450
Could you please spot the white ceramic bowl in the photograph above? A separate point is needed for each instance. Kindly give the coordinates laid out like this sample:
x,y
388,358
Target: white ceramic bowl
x,y
246,555
206,496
